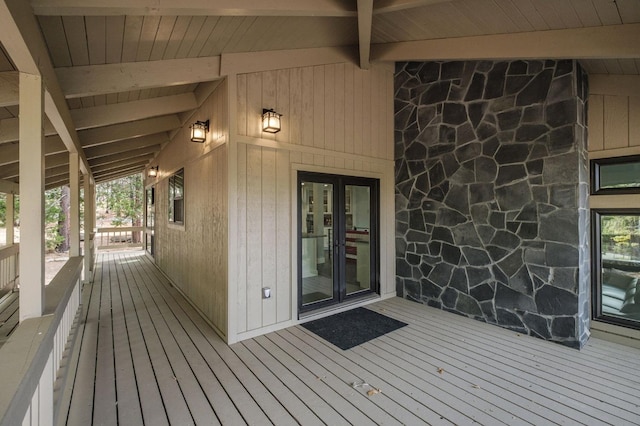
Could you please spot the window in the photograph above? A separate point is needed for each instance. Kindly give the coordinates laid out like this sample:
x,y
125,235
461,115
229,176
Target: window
x,y
176,198
616,240
616,298
619,175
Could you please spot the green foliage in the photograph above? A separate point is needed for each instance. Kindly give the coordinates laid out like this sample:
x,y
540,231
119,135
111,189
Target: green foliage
x,y
123,198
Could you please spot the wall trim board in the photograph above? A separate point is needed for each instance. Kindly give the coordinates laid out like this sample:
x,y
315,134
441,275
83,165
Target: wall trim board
x,y
619,201
232,207
615,152
193,305
280,326
267,143
614,84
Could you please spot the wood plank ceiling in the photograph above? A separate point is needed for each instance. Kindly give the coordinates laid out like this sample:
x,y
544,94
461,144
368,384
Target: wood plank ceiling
x,y
133,71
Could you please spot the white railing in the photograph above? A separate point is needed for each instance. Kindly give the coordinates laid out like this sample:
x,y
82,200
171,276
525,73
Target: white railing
x,y
31,357
9,268
118,237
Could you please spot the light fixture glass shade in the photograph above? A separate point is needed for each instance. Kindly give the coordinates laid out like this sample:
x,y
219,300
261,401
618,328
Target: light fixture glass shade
x,y
199,131
270,121
153,172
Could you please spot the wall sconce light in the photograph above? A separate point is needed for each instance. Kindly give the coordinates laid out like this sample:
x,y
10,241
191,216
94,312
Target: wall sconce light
x,y
270,121
153,172
199,131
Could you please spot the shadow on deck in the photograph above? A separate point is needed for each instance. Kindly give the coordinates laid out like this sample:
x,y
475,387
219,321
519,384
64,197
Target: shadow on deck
x,y
146,357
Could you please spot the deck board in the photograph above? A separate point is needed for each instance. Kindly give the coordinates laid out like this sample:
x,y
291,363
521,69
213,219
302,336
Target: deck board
x,y
147,357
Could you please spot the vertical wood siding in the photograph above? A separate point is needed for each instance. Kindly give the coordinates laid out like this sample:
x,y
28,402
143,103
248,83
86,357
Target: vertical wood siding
x,y
194,256
336,107
614,122
335,117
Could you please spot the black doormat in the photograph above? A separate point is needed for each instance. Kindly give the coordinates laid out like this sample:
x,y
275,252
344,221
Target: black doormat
x,y
353,328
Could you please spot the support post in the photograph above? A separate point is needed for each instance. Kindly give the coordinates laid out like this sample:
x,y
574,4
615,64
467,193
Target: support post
x,y
10,218
74,185
88,229
32,244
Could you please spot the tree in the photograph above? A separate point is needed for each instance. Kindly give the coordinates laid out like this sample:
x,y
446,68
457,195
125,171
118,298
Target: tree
x,y
123,198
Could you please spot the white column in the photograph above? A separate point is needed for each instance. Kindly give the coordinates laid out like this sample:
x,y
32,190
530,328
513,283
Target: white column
x,y
74,184
10,218
31,196
88,229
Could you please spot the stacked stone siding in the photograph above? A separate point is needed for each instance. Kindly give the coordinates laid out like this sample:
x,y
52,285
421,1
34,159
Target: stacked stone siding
x,y
491,193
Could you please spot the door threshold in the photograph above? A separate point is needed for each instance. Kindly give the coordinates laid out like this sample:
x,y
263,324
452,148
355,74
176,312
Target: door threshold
x,y
334,309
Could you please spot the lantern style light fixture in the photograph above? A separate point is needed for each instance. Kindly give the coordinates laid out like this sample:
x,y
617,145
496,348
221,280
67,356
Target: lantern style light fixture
x,y
199,131
153,172
270,121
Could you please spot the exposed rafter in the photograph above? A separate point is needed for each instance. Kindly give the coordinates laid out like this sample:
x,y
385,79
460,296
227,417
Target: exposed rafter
x,y
387,6
133,129
22,40
8,187
126,145
106,115
123,157
365,17
115,161
9,88
10,132
113,78
614,41
9,151
335,8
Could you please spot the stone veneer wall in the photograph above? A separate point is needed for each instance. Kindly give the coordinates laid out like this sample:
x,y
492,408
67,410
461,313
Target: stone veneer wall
x,y
491,193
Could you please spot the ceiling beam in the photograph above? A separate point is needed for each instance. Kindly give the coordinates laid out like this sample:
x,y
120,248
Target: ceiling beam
x,y
126,145
193,8
22,39
614,41
94,80
9,89
365,18
133,129
105,115
9,152
387,6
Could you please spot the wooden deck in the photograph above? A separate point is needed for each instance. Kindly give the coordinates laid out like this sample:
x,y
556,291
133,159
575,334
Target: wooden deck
x,y
146,357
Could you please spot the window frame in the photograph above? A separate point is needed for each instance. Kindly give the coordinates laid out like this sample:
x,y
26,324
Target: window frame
x,y
597,267
175,203
594,170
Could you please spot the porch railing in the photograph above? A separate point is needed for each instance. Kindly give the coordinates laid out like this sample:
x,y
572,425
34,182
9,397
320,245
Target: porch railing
x,y
31,357
118,237
9,268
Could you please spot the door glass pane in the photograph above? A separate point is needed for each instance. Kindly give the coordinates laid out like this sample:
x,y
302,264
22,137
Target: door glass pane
x,y
620,251
316,242
358,245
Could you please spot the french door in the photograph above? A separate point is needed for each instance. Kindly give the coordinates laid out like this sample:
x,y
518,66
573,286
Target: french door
x,y
338,253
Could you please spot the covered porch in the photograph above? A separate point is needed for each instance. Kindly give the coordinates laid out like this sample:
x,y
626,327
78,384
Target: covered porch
x,y
145,356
